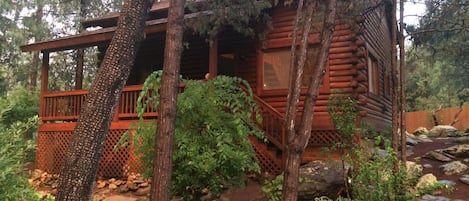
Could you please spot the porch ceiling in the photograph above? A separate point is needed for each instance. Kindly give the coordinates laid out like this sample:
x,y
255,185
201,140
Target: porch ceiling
x,y
88,39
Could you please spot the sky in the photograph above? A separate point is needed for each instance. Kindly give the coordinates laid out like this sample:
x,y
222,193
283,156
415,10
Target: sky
x,y
412,11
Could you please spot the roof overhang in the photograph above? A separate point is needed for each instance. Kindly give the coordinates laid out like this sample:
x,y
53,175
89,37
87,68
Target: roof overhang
x,y
89,38
111,19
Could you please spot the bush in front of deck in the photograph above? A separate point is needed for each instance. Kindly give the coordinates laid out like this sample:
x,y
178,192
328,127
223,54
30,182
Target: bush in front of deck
x,y
211,147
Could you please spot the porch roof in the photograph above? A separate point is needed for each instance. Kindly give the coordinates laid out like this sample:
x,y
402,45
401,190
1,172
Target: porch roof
x,y
88,38
96,37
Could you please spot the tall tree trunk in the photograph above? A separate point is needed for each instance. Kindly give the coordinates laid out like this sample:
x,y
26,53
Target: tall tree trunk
x,y
162,169
36,61
402,81
79,168
395,134
297,142
81,52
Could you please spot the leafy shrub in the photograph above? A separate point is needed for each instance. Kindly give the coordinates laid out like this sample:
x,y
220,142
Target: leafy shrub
x,y
20,105
13,148
211,145
372,176
272,189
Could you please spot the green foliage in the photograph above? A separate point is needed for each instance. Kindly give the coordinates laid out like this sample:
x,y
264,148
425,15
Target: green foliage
x,y
241,16
372,176
437,63
13,148
272,189
343,110
20,105
211,149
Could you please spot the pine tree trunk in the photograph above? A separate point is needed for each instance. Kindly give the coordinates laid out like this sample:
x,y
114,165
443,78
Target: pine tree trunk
x,y
162,169
395,135
298,140
402,82
81,52
36,61
79,168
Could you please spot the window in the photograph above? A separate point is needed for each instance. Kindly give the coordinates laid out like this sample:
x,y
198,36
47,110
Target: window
x,y
373,74
276,69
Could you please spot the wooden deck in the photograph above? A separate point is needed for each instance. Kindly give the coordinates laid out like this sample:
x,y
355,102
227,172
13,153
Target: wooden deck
x,y
65,106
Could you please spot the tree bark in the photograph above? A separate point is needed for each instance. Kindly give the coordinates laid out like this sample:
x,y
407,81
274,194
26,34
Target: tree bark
x,y
35,65
162,170
297,142
81,52
402,81
395,134
79,168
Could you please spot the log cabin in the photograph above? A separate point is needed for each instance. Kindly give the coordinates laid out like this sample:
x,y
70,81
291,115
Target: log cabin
x,y
359,64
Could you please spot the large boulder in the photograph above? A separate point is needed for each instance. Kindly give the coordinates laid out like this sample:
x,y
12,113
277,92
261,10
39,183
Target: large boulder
x,y
461,150
455,167
426,181
413,169
420,131
443,131
321,178
438,155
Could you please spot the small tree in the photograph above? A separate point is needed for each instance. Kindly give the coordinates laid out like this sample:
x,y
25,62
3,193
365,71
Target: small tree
x,y
298,134
211,149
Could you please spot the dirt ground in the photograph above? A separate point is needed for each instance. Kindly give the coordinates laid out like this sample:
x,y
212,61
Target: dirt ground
x,y
461,190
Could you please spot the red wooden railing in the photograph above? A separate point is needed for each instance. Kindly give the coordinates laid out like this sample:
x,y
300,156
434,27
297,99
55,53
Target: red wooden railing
x,y
66,105
272,124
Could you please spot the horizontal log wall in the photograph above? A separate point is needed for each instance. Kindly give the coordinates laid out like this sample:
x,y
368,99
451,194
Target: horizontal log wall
x,y
377,35
343,66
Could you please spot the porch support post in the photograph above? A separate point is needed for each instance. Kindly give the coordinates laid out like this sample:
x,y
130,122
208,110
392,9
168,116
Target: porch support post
x,y
213,58
44,82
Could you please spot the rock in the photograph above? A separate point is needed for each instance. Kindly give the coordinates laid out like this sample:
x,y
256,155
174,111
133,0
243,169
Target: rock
x,y
464,179
101,184
466,160
410,141
144,184
138,181
118,182
320,178
143,191
427,165
447,182
461,150
424,138
439,156
381,153
132,186
455,167
420,131
112,186
461,140
123,189
443,131
414,170
426,181
435,198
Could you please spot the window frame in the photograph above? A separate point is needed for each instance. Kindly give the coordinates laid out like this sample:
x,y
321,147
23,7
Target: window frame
x,y
373,75
260,75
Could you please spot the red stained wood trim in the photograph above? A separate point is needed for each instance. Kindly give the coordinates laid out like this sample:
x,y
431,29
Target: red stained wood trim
x,y
44,82
213,58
